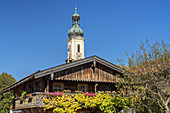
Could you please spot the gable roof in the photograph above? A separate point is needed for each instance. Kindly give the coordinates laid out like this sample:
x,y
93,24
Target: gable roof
x,y
48,71
78,63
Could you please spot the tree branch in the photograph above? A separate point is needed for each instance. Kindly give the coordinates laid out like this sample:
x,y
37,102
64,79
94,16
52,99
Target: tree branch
x,y
147,108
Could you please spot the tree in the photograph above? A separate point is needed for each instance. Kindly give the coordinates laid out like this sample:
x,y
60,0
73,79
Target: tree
x,y
5,98
147,78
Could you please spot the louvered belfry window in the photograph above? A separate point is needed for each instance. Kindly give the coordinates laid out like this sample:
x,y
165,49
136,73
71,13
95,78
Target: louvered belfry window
x,y
78,48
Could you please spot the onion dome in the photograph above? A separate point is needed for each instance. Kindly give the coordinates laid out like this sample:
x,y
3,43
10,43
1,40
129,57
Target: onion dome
x,y
75,30
75,16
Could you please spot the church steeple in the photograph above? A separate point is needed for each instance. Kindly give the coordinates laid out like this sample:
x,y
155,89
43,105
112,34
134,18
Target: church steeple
x,y
75,30
75,39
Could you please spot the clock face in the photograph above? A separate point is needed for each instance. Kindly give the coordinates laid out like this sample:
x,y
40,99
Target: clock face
x,y
78,56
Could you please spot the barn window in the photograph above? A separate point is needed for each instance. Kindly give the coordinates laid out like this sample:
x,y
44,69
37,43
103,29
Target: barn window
x,y
82,88
58,87
78,48
105,88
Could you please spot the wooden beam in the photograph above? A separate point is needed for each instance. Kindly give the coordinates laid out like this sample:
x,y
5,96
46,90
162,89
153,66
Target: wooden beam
x,y
48,87
94,62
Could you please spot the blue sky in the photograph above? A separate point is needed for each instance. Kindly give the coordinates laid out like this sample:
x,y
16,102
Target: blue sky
x,y
33,33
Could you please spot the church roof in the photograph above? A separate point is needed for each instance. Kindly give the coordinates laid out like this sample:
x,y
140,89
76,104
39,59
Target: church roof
x,y
46,72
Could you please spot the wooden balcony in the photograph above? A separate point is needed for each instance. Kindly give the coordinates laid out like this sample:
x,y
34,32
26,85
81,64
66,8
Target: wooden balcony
x,y
36,100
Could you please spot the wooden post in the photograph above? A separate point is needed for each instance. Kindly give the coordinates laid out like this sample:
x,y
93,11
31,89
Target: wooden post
x,y
48,87
52,76
94,64
95,87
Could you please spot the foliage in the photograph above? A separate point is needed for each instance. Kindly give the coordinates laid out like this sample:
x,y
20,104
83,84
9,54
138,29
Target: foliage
x,y
23,93
5,98
153,107
70,104
147,78
67,91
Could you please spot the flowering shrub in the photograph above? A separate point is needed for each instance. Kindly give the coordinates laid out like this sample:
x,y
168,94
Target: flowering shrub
x,y
77,91
20,98
70,104
90,94
29,95
23,95
54,94
67,91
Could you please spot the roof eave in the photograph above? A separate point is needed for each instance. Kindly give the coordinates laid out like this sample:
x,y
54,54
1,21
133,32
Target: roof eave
x,y
77,63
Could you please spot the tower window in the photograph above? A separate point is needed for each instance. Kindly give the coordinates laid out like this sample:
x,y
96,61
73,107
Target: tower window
x,y
78,48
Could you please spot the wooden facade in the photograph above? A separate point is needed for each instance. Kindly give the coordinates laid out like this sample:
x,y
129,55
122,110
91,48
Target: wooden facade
x,y
87,72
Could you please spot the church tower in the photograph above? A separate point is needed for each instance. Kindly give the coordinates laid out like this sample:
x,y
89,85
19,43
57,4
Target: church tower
x,y
75,40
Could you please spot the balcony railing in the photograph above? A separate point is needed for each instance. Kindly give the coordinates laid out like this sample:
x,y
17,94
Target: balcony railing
x,y
35,100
